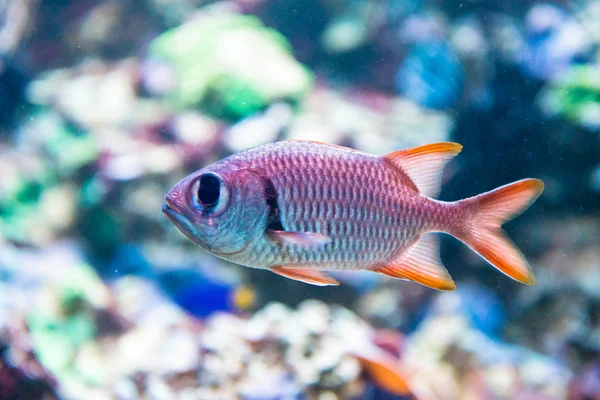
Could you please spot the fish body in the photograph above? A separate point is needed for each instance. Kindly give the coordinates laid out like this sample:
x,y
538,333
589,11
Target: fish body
x,y
300,208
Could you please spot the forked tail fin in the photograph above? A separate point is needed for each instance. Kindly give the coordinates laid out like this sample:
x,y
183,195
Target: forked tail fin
x,y
487,212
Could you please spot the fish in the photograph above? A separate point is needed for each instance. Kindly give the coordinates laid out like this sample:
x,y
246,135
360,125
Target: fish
x,y
302,209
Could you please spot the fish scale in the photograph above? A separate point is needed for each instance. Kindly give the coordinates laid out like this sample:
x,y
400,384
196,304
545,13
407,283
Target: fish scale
x,y
307,209
300,208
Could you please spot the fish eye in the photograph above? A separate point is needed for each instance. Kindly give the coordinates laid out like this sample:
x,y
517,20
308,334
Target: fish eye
x,y
209,190
211,193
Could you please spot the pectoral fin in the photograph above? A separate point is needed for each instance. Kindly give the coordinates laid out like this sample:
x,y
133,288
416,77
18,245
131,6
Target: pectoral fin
x,y
306,275
305,239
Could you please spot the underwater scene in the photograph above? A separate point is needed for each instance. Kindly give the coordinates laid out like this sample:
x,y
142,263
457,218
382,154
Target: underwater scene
x,y
299,199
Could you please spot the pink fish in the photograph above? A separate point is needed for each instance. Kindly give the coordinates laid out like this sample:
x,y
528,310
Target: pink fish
x,y
300,208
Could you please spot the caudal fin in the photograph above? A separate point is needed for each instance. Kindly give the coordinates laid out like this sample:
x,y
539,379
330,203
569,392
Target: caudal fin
x,y
483,233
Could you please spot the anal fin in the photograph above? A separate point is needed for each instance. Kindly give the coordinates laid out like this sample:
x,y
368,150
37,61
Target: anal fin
x,y
421,264
306,275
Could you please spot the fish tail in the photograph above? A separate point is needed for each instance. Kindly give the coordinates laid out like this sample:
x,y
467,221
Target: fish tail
x,y
484,215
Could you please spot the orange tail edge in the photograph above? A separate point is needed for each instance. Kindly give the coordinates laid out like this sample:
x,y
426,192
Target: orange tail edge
x,y
483,232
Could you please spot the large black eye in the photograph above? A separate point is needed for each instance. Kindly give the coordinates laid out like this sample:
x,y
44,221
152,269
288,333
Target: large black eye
x,y
210,194
209,190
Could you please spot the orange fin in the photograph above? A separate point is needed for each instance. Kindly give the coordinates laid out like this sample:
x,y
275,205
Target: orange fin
x,y
386,373
421,264
483,233
306,275
305,239
424,164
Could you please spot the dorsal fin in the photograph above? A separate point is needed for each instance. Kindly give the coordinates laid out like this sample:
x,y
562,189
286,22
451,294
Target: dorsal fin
x,y
424,164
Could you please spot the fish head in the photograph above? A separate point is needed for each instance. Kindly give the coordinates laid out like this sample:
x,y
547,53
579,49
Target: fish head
x,y
221,208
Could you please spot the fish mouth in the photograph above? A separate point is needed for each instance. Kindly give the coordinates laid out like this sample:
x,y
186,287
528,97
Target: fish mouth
x,y
188,229
184,225
170,206
169,212
178,219
173,215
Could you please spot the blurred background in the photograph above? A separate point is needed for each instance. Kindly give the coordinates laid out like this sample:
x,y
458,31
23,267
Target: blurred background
x,y
104,105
